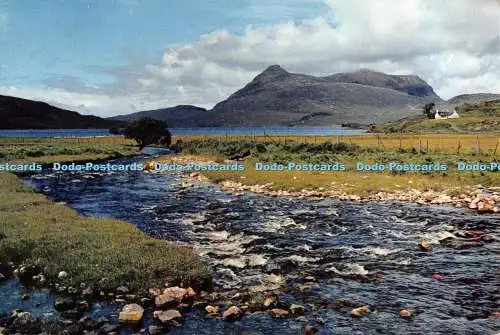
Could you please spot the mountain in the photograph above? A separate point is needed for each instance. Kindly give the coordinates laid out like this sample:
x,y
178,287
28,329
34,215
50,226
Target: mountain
x,y
473,98
411,85
178,116
17,113
278,97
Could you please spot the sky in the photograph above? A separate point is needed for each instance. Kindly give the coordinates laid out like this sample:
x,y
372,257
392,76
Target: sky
x,y
110,57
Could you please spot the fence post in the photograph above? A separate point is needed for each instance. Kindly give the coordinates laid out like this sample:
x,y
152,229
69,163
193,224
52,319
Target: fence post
x,y
478,146
495,152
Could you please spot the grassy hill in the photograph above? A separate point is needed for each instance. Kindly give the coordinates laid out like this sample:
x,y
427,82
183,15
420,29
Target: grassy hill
x,y
17,113
479,117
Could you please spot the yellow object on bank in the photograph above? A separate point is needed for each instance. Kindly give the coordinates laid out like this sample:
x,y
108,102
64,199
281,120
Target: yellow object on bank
x,y
131,316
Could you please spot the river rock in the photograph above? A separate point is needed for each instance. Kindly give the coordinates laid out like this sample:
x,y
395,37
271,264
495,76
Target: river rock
x,y
131,313
88,292
269,300
425,246
168,317
211,309
26,323
190,292
360,310
232,313
26,272
94,324
437,276
485,206
62,303
72,290
474,203
404,313
297,309
155,330
171,296
108,328
154,292
62,275
278,313
122,289
310,330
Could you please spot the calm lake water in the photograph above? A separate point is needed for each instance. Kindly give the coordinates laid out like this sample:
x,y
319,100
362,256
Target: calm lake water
x,y
258,131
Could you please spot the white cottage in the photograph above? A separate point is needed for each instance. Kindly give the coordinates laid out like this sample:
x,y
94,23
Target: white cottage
x,y
437,116
453,115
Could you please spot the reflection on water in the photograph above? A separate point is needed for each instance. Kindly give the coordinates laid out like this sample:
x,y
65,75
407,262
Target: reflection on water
x,y
358,253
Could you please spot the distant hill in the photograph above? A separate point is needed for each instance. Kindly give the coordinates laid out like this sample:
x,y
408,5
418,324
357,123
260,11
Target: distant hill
x,y
17,113
472,98
278,97
475,117
178,116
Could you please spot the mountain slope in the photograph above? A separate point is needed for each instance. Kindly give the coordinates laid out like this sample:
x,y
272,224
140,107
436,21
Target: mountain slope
x,y
475,117
17,113
411,85
473,98
178,116
277,97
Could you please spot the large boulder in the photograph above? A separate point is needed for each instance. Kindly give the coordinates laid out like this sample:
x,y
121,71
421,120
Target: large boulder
x,y
171,297
131,313
232,313
170,316
278,313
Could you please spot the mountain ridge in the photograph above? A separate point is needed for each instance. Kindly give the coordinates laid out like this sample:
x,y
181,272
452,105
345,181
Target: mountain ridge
x,y
275,97
19,113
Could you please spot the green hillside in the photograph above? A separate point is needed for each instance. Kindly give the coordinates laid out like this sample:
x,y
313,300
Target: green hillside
x,y
474,117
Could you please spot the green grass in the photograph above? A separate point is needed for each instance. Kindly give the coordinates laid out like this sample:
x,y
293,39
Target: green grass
x,y
53,237
481,117
101,253
54,152
350,181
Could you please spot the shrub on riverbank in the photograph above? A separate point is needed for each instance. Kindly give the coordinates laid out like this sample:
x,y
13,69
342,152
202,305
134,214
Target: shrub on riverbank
x,y
44,152
101,253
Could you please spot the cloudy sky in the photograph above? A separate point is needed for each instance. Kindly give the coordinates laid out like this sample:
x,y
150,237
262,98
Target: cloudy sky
x,y
109,57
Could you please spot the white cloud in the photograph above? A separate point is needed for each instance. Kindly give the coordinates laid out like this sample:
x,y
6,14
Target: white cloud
x,y
453,44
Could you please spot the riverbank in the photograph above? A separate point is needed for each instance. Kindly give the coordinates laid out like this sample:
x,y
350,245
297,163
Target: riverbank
x,y
343,272
45,239
476,190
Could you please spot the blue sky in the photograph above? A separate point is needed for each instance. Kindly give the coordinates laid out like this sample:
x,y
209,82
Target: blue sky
x,y
109,57
47,39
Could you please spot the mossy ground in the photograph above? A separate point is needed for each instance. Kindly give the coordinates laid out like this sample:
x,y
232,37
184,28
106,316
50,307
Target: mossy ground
x,y
427,149
101,253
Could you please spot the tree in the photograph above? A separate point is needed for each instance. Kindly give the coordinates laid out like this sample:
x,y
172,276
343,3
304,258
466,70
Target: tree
x,y
429,110
148,131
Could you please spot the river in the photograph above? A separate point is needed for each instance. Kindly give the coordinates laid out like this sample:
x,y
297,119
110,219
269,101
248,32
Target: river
x,y
358,253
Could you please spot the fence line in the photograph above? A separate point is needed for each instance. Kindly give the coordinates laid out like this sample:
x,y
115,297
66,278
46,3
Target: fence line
x,y
433,143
